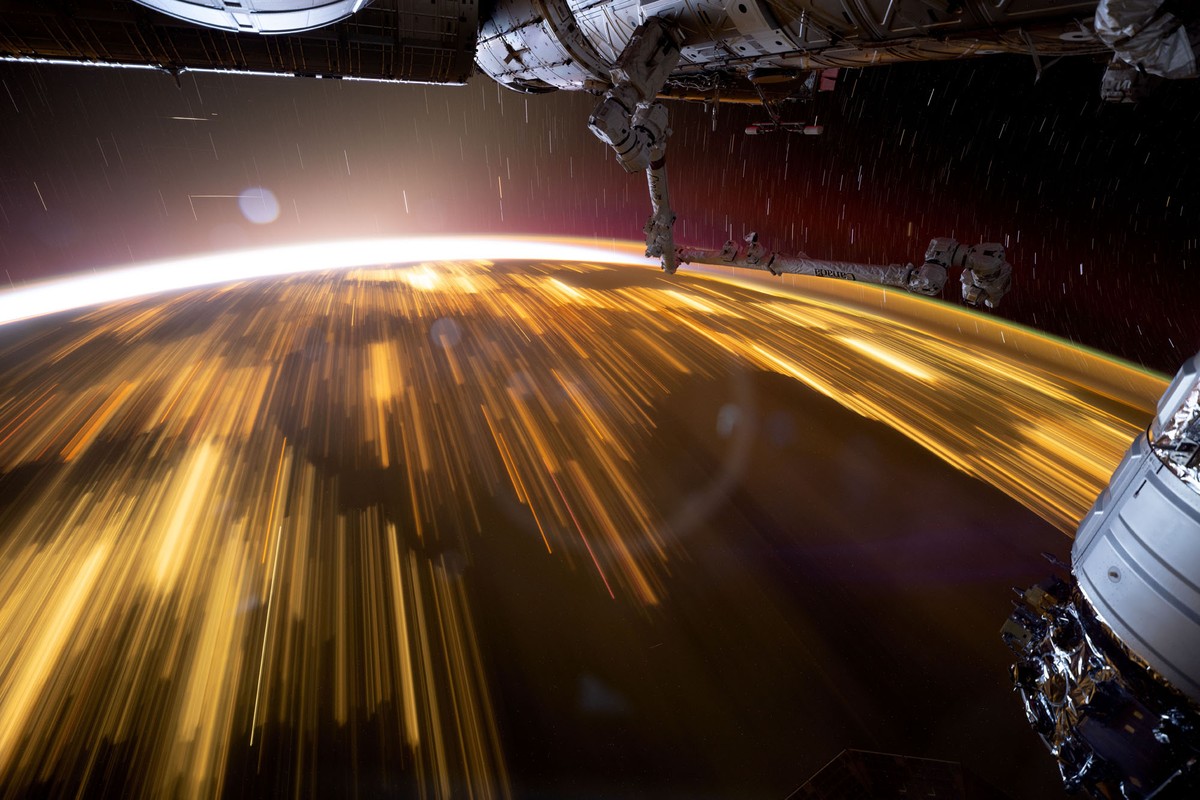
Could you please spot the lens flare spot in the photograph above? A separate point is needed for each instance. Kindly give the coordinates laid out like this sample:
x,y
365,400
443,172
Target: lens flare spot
x,y
258,205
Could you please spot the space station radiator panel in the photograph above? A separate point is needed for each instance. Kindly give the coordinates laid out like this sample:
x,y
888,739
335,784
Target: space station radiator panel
x,y
416,41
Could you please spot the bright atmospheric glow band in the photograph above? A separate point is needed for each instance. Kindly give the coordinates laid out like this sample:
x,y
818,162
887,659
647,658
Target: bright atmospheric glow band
x,y
111,285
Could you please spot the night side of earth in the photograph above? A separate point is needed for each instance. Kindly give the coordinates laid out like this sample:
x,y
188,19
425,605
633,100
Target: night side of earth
x,y
529,529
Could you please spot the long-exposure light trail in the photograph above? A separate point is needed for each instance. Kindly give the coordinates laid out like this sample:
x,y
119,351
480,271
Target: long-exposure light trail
x,y
242,512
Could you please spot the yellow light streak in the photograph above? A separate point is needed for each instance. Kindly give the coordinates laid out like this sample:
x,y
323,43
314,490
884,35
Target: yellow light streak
x,y
891,359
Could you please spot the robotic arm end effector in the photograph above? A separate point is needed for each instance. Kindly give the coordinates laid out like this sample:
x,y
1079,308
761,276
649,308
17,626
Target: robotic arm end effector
x,y
986,288
660,240
986,275
928,279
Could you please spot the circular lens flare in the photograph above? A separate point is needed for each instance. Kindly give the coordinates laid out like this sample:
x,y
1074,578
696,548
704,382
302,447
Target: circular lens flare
x,y
258,205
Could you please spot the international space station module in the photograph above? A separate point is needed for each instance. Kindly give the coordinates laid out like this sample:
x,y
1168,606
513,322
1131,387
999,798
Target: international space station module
x,y
1108,658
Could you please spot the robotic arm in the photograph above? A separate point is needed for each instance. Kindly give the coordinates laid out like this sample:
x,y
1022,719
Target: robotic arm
x,y
631,122
986,276
927,279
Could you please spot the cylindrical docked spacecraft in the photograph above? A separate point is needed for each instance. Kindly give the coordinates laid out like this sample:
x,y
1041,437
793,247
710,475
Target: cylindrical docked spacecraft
x,y
1108,661
258,16
414,41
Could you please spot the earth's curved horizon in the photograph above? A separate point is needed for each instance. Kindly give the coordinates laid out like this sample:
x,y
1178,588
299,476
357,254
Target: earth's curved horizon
x,y
528,528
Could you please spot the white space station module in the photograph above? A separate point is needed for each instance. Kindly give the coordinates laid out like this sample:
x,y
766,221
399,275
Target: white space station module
x,y
1108,659
631,54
